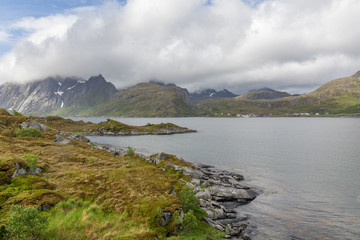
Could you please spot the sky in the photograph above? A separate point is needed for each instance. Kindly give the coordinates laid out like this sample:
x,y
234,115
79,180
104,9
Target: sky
x,y
289,45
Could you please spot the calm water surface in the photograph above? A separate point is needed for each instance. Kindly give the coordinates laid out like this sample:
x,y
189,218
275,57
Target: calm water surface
x,y
306,169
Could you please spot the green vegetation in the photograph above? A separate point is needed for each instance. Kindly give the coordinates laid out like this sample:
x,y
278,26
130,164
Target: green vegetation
x,y
31,160
130,151
28,132
340,96
25,223
109,125
147,100
16,113
85,193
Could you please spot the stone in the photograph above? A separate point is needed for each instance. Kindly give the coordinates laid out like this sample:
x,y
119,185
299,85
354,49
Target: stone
x,y
221,193
162,156
230,215
215,213
173,193
166,218
214,224
203,194
36,125
195,181
62,140
18,171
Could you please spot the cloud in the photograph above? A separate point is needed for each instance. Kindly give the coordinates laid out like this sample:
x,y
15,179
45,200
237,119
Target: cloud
x,y
291,45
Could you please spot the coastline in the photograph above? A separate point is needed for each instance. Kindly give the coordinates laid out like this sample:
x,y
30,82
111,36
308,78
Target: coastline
x,y
219,191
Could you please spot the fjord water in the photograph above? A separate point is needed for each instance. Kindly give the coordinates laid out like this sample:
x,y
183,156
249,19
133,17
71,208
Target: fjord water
x,y
307,170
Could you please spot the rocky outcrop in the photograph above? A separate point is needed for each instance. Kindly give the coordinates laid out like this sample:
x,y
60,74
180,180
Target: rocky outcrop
x,y
168,131
19,171
220,192
36,125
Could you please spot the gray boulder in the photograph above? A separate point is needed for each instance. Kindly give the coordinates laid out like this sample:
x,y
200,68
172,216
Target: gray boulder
x,y
204,194
215,213
62,140
221,193
162,156
19,171
36,125
166,218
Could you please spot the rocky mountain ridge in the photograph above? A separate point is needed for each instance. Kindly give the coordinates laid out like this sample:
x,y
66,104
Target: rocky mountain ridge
x,y
97,97
55,94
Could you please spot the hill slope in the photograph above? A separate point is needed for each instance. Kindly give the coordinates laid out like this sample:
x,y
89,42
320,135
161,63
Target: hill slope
x,y
264,93
148,100
336,97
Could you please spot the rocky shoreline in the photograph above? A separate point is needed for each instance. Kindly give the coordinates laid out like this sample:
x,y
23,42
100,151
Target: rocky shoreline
x,y
220,192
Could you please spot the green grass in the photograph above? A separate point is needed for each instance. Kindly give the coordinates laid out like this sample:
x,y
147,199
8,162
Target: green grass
x,y
28,132
84,220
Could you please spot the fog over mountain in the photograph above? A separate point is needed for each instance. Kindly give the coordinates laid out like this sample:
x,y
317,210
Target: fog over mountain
x,y
289,45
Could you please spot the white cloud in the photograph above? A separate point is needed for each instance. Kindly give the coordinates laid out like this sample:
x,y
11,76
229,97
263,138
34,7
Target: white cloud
x,y
4,36
285,44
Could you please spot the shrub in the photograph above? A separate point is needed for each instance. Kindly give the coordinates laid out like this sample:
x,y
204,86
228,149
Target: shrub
x,y
31,160
130,151
188,199
28,132
190,222
25,223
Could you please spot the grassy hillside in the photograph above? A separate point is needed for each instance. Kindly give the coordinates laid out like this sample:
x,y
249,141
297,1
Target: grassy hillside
x,y
340,96
147,100
263,94
85,193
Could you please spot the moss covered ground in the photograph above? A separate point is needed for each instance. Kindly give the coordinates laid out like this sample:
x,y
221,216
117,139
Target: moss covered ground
x,y
87,193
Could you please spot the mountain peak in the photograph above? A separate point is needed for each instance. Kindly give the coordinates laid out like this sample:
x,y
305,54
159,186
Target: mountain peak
x,y
262,89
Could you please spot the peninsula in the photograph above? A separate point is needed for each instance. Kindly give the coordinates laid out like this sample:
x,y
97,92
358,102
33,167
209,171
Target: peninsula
x,y
75,189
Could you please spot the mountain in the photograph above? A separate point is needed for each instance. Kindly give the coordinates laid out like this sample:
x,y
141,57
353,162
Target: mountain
x,y
340,96
148,100
263,93
210,93
56,95
97,97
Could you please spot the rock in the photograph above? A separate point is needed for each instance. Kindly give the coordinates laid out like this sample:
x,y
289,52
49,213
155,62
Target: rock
x,y
36,125
166,218
215,213
162,156
204,194
230,215
195,181
173,193
62,140
18,171
214,224
221,193
36,171
191,172
77,137
156,161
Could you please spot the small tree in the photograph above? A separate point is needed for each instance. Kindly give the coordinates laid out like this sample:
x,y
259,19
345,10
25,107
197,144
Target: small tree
x,y
28,132
130,151
25,223
190,221
31,160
